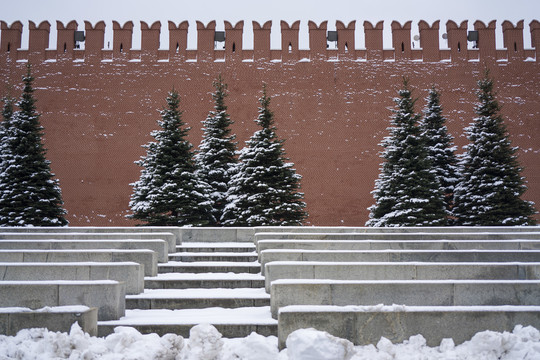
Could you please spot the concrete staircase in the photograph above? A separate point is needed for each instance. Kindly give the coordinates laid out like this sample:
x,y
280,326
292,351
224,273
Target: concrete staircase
x,y
213,282
363,284
313,278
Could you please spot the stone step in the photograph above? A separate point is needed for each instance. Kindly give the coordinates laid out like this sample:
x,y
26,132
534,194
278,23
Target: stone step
x,y
93,230
210,267
513,244
204,280
409,292
375,271
108,296
472,236
55,318
232,330
159,246
198,298
400,256
231,323
399,322
22,236
148,258
216,247
408,229
217,235
130,273
213,256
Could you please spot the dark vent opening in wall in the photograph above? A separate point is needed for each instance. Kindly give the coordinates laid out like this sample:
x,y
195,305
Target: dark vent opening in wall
x,y
458,47
177,48
346,47
515,47
65,47
402,47
233,47
121,47
8,47
290,48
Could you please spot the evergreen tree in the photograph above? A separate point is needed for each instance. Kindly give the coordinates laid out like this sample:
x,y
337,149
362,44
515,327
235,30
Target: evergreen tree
x,y
407,192
216,157
7,115
29,195
168,192
264,189
490,187
440,148
6,154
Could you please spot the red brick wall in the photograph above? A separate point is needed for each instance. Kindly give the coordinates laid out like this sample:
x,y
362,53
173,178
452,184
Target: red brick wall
x,y
331,106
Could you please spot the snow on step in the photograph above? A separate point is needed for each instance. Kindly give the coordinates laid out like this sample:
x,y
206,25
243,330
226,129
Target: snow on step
x,y
211,263
219,252
216,245
202,283
198,298
231,323
206,276
213,256
245,315
210,266
204,280
215,253
217,293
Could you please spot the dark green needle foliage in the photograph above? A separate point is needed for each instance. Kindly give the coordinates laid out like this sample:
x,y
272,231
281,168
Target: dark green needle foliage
x,y
441,151
29,193
216,157
168,192
490,187
264,188
407,192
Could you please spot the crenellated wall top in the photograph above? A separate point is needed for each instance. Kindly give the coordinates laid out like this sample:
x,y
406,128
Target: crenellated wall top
x,y
213,45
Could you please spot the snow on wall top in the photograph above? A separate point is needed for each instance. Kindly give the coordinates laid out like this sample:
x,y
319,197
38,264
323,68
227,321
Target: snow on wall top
x,y
215,45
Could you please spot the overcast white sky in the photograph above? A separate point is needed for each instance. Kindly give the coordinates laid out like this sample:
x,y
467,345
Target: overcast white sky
x,y
262,11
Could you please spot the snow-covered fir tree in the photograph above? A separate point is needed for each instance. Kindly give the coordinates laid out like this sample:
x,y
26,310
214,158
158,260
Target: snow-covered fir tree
x,y
168,192
216,157
7,114
264,188
490,187
441,151
407,192
29,194
6,156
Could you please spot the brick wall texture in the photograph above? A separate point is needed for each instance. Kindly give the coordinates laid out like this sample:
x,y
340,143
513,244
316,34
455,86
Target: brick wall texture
x,y
332,106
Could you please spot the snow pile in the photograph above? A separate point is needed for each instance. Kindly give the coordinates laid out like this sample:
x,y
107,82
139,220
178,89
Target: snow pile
x,y
206,343
310,344
523,344
46,309
125,343
252,347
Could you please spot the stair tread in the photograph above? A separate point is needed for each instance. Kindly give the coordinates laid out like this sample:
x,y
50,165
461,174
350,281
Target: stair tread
x,y
205,276
184,289
211,263
237,254
187,245
245,315
197,293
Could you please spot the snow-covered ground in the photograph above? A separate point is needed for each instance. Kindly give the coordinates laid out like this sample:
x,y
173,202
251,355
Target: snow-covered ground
x,y
206,343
